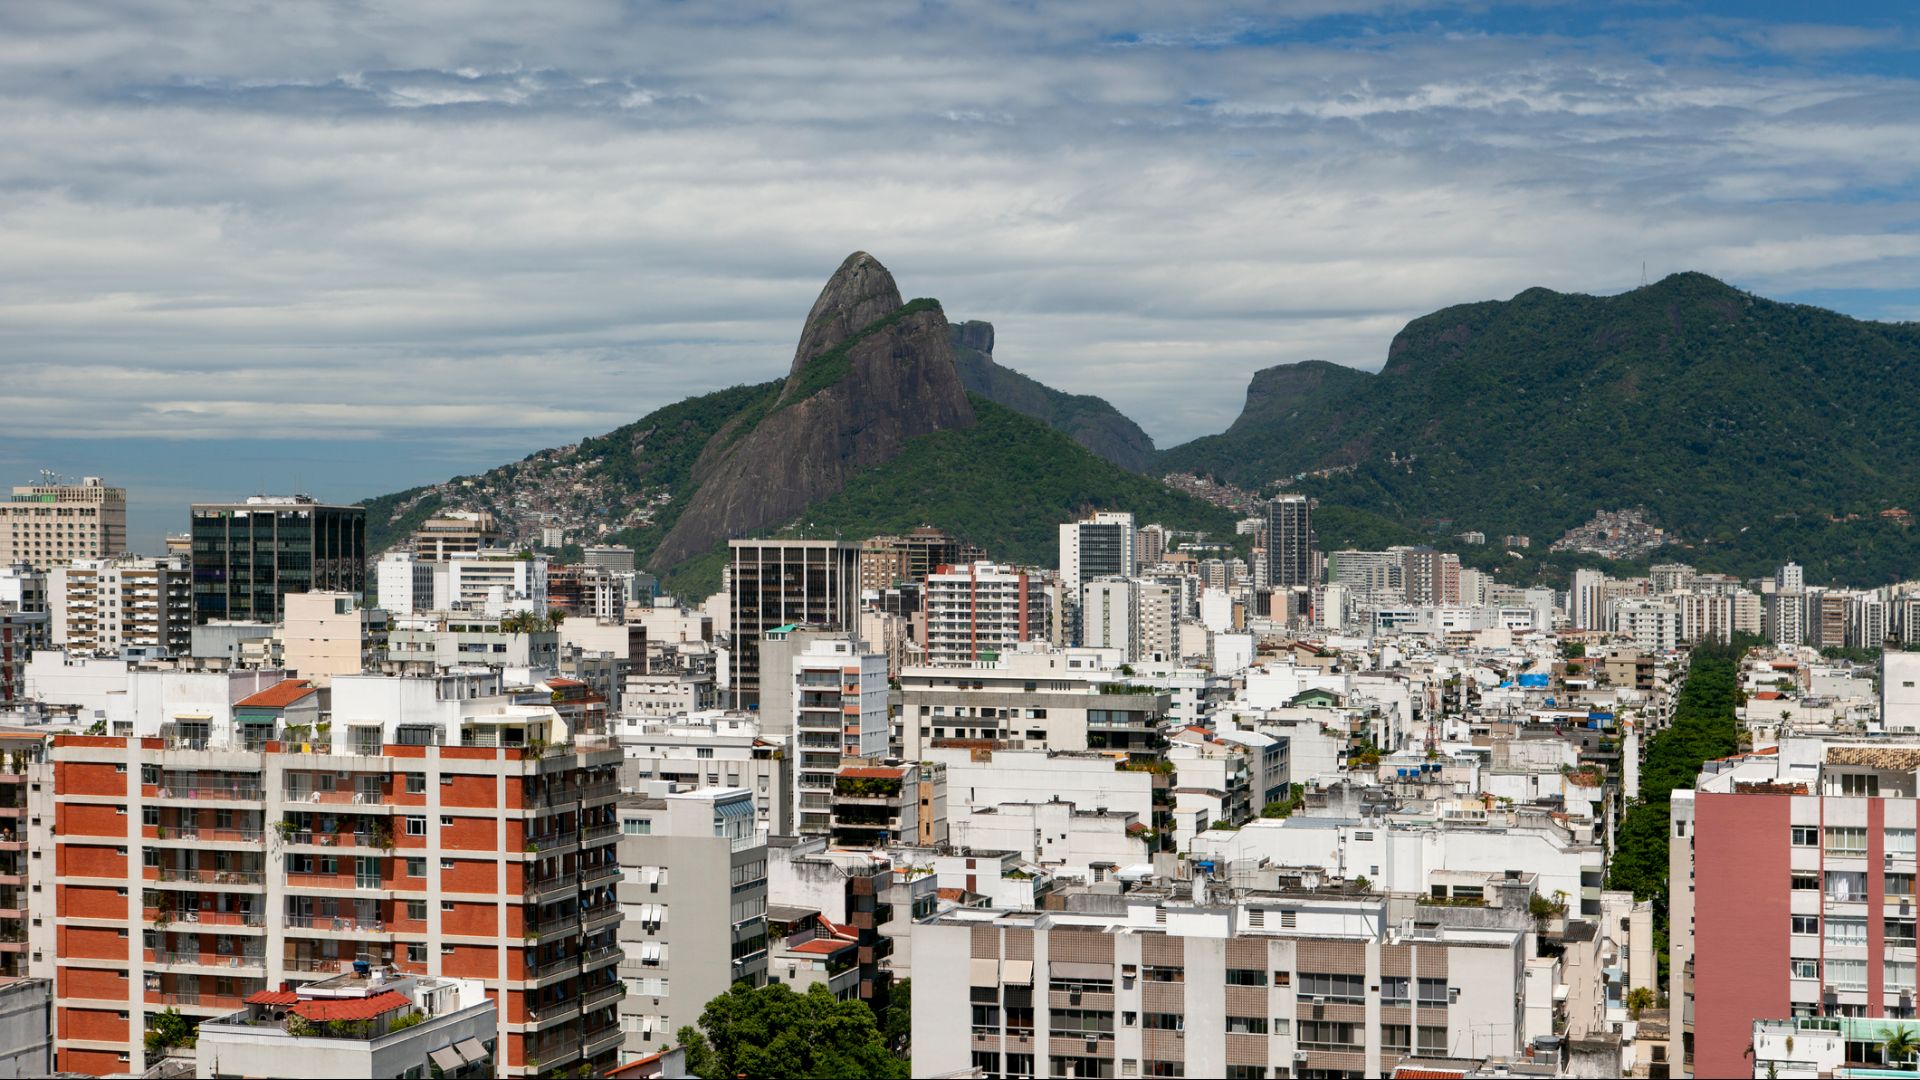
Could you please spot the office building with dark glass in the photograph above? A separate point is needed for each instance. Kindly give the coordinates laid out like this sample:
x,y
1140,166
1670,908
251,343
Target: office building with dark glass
x,y
1290,542
248,555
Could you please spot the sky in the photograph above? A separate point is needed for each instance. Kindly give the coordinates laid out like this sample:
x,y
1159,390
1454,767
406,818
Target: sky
x,y
348,248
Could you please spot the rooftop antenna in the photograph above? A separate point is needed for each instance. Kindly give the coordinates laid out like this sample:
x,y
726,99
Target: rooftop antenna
x,y
1643,273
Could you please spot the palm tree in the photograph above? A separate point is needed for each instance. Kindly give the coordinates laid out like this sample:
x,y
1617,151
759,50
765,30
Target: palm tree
x,y
1898,1045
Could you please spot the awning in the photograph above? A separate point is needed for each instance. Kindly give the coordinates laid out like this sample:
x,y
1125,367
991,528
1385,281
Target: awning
x,y
1072,969
651,875
448,1059
650,952
983,972
1019,973
471,1049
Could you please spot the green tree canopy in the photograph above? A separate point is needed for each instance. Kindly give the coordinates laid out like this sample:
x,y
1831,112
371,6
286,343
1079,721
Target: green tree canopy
x,y
772,1032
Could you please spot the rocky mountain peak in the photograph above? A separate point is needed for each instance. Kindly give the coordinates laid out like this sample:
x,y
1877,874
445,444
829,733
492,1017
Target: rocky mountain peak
x,y
857,294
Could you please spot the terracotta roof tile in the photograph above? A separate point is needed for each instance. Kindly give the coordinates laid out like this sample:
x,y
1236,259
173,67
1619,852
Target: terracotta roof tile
x,y
365,1008
272,997
278,696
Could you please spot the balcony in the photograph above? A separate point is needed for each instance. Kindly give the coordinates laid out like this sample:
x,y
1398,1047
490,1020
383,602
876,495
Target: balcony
x,y
599,832
348,881
192,834
250,958
596,956
212,792
245,878
595,875
601,995
605,915
337,923
204,917
564,963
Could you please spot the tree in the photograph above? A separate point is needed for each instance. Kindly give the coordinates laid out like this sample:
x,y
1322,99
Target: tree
x,y
169,1029
1639,999
1898,1044
772,1032
896,1023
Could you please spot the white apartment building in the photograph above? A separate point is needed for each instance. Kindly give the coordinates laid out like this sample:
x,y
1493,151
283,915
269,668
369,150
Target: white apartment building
x,y
51,524
982,609
100,606
1653,625
1318,985
497,584
1061,700
1099,546
839,694
405,582
329,633
712,749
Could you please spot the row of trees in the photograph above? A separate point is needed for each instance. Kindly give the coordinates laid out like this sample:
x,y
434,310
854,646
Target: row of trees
x,y
1703,728
769,1031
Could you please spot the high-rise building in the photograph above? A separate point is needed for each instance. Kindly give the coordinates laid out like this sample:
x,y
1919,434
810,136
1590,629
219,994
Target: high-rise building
x,y
455,533
1786,616
100,606
247,555
1110,615
21,632
982,609
782,583
839,712
886,561
1586,601
439,827
1368,571
1289,542
497,583
1826,619
613,558
51,524
1431,577
1867,619
1793,889
1654,625
1099,546
1150,545
694,892
405,582
1790,578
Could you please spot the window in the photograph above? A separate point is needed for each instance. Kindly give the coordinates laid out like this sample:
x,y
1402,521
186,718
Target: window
x,y
416,826
1898,841
1899,885
417,910
416,783
1847,974
446,905
1899,933
1329,1035
1165,974
1806,924
1846,840
1394,990
446,864
1847,886
1855,784
1809,882
1801,967
1396,1037
416,953
1806,836
1333,987
1431,1040
1159,1021
416,868
1899,977
446,821
1246,1025
1433,992
637,826
1246,977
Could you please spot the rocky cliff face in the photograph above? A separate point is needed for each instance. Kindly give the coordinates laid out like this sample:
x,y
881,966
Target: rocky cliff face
x,y
869,374
1090,421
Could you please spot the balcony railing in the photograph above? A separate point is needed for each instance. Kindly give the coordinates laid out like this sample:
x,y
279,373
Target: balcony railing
x,y
207,918
212,836
345,924
212,877
247,958
222,792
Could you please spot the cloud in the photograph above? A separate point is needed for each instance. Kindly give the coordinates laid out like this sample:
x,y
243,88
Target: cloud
x,y
497,227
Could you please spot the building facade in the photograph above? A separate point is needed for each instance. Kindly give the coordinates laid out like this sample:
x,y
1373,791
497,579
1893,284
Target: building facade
x,y
782,583
248,555
1289,542
980,609
51,524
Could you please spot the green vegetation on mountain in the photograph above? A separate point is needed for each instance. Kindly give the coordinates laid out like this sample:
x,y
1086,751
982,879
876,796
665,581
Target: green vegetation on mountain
x,y
1754,431
1005,484
1088,420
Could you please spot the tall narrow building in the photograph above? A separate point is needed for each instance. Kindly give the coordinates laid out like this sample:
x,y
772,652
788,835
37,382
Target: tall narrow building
x,y
1099,546
247,555
786,582
1289,542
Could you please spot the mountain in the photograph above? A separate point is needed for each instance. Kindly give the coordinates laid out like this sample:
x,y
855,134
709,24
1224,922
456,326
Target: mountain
x,y
871,430
1755,431
1089,420
869,374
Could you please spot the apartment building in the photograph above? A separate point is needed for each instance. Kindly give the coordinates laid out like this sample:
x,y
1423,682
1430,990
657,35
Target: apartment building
x,y
706,748
840,712
443,828
806,877
329,633
1098,546
1290,542
455,534
19,907
878,805
1060,700
497,583
51,524
20,633
976,611
1793,892
694,892
886,561
778,583
26,1027
1311,985
100,606
367,1022
247,555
